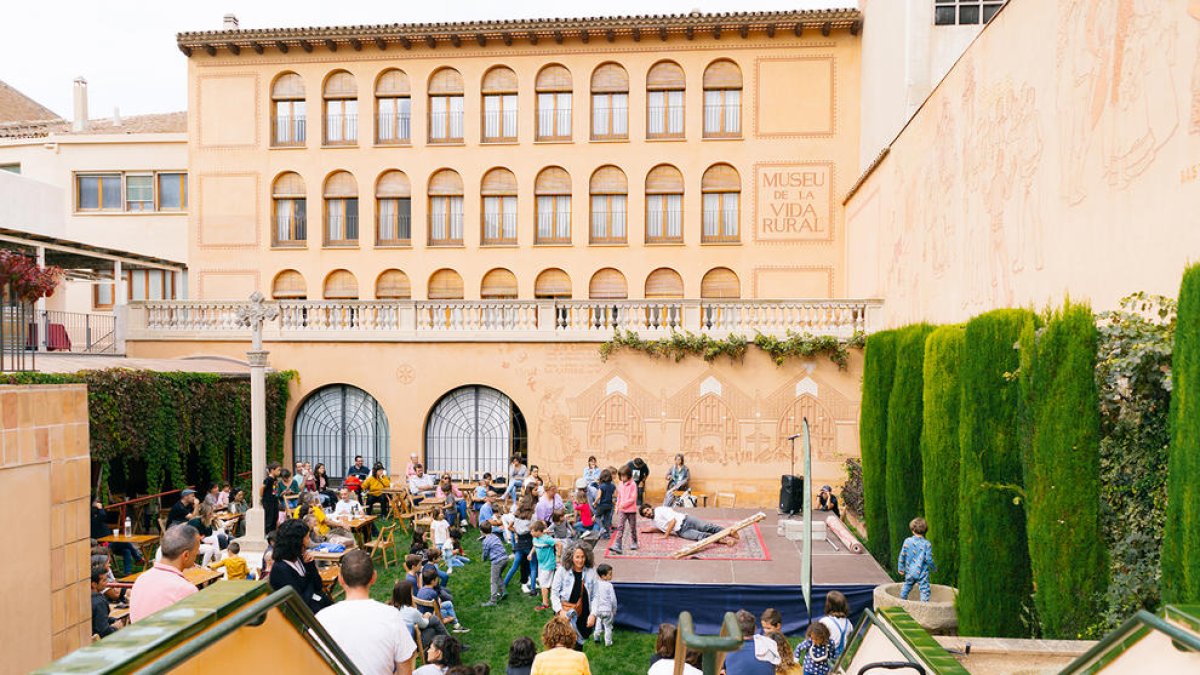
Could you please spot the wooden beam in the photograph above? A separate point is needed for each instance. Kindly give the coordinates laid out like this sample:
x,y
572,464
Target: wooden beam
x,y
717,32
187,51
696,547
533,38
481,39
689,33
826,28
212,51
456,40
257,46
798,29
856,27
380,44
330,45
430,42
508,39
356,44
637,34
306,46
584,36
405,42
558,37
234,48
610,35
744,30
662,33
770,30
281,46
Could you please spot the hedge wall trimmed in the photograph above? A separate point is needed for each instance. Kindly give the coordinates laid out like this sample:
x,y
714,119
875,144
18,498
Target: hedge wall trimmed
x,y
1062,473
879,362
994,577
939,447
1181,535
904,489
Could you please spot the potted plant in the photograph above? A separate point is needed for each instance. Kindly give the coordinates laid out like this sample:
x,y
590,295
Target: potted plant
x,y
22,282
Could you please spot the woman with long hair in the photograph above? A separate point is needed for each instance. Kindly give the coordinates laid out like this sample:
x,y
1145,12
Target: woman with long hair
x,y
442,654
427,623
574,585
322,487
293,565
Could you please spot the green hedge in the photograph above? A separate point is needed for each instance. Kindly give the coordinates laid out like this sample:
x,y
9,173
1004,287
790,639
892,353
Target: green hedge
x,y
1062,473
939,447
879,362
904,500
1181,536
994,577
152,431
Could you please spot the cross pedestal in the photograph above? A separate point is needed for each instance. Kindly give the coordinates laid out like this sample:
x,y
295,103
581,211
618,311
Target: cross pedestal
x,y
254,543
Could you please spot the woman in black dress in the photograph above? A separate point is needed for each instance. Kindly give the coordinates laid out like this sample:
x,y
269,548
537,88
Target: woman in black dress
x,y
293,566
270,503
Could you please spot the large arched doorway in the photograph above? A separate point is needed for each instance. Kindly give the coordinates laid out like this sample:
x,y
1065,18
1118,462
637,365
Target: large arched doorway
x,y
472,430
337,422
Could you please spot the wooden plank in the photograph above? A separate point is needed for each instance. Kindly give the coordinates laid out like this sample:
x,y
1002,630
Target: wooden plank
x,y
696,547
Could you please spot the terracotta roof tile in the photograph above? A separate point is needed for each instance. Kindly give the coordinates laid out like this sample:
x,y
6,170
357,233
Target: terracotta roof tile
x,y
17,107
158,123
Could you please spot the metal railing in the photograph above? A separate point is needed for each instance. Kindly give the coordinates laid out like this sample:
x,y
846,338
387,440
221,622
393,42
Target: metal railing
x,y
393,127
77,332
502,320
287,130
341,129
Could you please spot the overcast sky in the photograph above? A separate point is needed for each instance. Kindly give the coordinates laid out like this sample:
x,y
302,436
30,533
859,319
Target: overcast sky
x,y
126,49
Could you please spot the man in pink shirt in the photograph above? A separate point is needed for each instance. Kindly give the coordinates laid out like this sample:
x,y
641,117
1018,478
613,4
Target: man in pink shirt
x,y
164,584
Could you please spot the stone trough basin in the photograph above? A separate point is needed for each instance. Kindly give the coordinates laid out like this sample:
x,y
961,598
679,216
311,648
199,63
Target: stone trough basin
x,y
936,616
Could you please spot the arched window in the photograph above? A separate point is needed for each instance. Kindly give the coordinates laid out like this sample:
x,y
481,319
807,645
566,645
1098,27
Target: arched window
x,y
445,284
610,102
552,283
472,430
341,109
664,205
446,209
499,191
393,107
664,100
393,208
722,100
393,285
553,192
335,424
500,105
287,114
608,284
498,284
554,103
720,283
721,187
664,282
446,106
289,285
341,285
288,207
609,192
341,209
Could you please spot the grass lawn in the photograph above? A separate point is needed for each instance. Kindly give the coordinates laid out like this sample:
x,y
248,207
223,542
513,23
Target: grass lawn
x,y
494,628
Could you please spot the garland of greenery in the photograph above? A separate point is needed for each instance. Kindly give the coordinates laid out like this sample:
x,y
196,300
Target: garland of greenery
x,y
680,345
167,430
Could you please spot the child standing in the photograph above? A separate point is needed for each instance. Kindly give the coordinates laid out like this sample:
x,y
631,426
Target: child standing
x,y
916,560
604,503
817,653
546,550
495,554
627,495
583,513
234,564
439,528
604,605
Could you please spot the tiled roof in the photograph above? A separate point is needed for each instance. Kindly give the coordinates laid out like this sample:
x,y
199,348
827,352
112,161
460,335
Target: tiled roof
x,y
507,31
17,107
159,123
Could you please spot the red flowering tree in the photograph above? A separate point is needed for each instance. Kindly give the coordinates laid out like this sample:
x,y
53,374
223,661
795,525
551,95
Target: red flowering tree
x,y
22,280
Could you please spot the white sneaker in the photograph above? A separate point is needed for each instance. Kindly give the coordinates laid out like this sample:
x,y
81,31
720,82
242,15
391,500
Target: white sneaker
x,y
525,588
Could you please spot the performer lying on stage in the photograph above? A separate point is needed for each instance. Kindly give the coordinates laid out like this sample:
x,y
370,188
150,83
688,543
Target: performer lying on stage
x,y
669,521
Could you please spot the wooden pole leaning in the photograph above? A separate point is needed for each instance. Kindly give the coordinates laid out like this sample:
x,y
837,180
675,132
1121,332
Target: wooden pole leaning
x,y
704,543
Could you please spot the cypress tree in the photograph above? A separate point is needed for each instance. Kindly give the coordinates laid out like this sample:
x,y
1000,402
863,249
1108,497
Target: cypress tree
x,y
1181,534
939,447
904,500
993,575
1062,473
879,362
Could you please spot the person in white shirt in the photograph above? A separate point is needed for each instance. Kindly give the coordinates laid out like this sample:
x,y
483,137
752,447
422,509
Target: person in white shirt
x,y
439,527
346,506
371,633
669,521
420,482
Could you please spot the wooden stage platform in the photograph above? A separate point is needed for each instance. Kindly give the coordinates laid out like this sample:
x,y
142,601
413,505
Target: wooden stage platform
x,y
653,590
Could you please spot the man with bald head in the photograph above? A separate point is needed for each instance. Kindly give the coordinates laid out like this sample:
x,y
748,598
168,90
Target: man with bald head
x,y
164,584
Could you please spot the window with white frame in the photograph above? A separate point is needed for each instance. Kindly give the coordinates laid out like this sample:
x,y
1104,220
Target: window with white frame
x,y
965,12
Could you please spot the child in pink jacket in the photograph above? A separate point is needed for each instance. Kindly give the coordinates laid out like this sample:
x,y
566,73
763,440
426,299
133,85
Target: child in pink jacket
x,y
626,510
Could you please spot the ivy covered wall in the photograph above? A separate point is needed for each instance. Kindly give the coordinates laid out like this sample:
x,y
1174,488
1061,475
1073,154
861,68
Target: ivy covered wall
x,y
152,431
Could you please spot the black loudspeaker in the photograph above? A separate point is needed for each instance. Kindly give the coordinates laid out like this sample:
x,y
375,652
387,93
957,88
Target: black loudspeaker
x,y
791,494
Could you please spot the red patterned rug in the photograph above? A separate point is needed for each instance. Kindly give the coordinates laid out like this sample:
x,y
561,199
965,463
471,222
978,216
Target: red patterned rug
x,y
653,545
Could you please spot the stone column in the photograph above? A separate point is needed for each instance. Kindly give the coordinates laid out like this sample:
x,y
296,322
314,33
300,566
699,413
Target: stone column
x,y
253,315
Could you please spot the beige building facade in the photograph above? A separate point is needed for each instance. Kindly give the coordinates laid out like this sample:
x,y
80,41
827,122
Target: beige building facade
x,y
1060,156
454,217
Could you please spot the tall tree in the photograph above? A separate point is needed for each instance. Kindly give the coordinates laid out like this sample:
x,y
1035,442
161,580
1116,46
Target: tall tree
x,y
879,362
904,501
939,447
993,575
1181,536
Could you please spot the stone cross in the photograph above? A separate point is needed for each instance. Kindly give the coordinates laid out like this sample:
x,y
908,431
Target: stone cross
x,y
253,316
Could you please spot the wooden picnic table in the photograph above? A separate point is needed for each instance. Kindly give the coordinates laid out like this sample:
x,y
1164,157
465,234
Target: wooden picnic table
x,y
141,541
327,557
356,525
198,576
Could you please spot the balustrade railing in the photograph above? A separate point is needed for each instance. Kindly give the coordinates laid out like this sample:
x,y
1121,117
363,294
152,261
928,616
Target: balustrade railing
x,y
409,320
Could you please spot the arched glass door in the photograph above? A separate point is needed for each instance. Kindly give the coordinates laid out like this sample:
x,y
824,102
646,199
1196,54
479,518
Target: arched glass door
x,y
336,423
472,430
